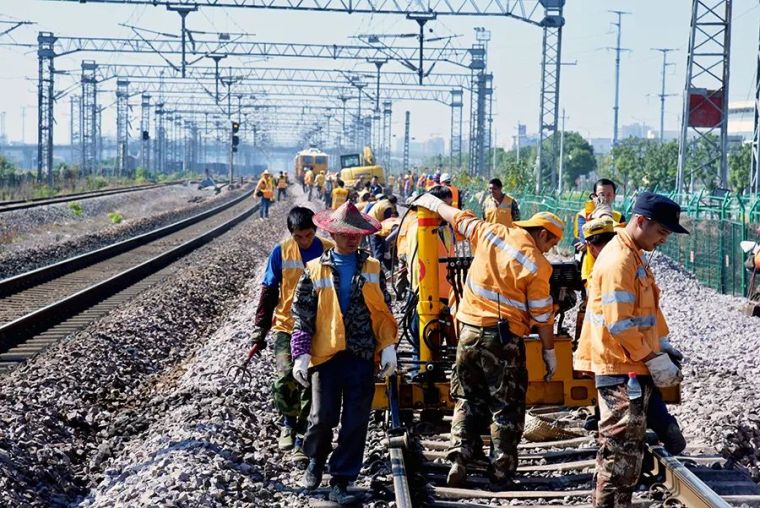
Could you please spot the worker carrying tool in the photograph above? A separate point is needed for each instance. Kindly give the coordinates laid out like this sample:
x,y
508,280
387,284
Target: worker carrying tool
x,y
343,327
624,327
499,208
505,296
283,270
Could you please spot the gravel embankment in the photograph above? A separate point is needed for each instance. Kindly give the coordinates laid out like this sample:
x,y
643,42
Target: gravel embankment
x,y
136,408
48,234
722,375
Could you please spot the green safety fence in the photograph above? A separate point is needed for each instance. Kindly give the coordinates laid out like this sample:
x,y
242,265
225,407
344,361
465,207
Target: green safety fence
x,y
711,252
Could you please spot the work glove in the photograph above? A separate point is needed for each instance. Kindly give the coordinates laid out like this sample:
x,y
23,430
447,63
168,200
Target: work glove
x,y
258,337
428,201
388,361
667,347
301,369
664,372
550,362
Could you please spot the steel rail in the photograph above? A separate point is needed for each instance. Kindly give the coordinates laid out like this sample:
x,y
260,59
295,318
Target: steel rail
x,y
20,204
47,273
17,331
683,484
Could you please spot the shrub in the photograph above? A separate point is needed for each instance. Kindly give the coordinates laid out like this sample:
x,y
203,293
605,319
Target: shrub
x,y
115,217
76,208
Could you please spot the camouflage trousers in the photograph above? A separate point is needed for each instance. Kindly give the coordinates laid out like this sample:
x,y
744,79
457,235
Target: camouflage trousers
x,y
291,399
622,426
489,382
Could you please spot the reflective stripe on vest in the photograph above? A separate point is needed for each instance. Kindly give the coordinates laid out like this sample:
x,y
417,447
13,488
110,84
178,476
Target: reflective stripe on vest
x,y
371,277
495,297
511,251
292,264
618,297
623,324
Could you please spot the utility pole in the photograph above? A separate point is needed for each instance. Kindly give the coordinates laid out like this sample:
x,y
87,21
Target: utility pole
x,y
618,50
662,95
23,125
421,19
561,151
406,141
183,11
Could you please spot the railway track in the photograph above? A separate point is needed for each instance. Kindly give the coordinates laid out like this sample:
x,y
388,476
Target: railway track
x,y
557,472
40,307
21,204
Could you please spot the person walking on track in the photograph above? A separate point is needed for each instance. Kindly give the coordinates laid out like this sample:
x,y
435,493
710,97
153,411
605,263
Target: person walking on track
x,y
343,327
283,270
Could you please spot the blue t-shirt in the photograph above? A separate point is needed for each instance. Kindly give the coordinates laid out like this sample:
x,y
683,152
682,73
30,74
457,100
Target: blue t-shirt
x,y
345,264
273,273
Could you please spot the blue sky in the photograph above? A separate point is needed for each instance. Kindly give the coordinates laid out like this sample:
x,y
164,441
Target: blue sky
x,y
514,57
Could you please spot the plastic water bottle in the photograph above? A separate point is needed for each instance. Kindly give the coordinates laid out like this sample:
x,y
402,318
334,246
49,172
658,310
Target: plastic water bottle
x,y
634,388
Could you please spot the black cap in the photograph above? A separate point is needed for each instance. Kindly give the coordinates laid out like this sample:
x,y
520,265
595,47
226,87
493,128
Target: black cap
x,y
660,209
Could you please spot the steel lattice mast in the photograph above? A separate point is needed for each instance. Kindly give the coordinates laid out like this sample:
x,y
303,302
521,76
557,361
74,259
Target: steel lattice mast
x,y
705,106
546,160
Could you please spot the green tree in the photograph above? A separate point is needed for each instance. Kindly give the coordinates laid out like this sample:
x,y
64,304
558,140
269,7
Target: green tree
x,y
579,159
739,162
628,161
660,165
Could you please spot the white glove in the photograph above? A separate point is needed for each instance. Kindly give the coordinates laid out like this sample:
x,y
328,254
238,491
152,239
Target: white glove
x,y
550,362
663,371
301,369
429,201
667,347
388,361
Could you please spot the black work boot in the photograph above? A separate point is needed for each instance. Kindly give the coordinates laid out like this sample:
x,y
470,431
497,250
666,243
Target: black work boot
x,y
457,474
312,477
339,494
673,440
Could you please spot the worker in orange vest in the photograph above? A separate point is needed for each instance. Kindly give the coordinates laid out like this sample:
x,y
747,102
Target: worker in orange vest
x,y
265,190
455,200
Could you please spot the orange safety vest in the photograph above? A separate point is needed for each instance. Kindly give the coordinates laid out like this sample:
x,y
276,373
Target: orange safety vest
x,y
282,182
455,196
339,196
292,269
266,186
508,278
330,332
498,214
308,177
623,322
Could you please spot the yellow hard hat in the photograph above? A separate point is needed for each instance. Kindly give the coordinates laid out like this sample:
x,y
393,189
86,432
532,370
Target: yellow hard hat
x,y
546,220
598,226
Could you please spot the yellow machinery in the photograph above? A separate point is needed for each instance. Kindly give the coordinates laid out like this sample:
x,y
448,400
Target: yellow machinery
x,y
426,387
358,168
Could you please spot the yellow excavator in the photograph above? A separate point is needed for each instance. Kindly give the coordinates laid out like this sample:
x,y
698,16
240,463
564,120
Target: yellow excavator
x,y
355,169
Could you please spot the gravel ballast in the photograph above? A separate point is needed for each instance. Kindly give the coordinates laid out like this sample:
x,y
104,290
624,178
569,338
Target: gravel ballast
x,y
86,401
719,411
52,233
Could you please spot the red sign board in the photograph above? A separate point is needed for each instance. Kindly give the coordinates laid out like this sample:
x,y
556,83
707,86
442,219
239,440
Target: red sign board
x,y
705,107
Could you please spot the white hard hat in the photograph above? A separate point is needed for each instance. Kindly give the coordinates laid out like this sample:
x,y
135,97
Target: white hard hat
x,y
445,177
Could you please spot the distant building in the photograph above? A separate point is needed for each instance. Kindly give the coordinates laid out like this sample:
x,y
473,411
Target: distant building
x,y
741,118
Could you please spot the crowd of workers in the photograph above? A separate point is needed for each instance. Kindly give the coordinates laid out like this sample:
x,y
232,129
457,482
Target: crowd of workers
x,y
326,304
